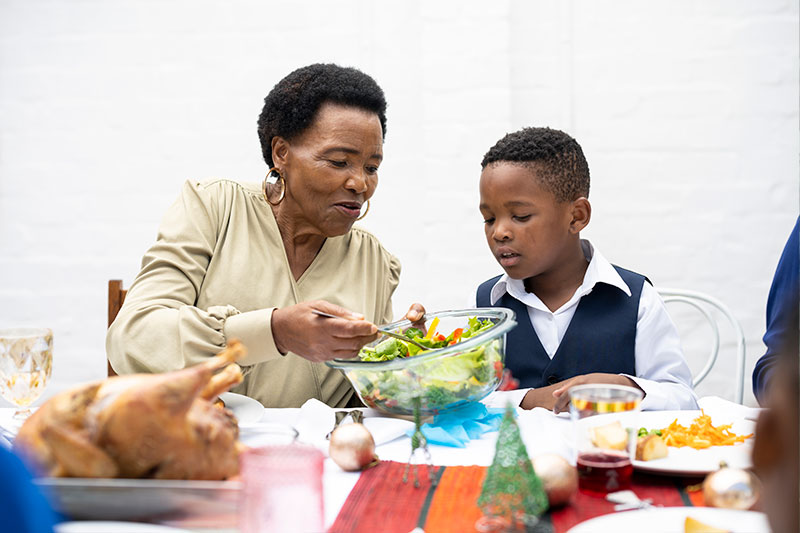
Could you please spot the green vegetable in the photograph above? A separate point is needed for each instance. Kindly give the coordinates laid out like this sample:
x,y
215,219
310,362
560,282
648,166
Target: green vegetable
x,y
440,396
476,326
412,333
384,351
392,348
643,432
439,383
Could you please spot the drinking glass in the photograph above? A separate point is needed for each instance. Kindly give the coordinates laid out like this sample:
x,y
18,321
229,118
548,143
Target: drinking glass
x,y
282,489
604,420
26,362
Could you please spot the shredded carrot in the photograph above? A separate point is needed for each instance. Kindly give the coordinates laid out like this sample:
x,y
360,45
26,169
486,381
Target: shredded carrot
x,y
700,434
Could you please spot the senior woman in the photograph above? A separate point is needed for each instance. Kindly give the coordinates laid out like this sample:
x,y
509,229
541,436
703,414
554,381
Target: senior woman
x,y
252,261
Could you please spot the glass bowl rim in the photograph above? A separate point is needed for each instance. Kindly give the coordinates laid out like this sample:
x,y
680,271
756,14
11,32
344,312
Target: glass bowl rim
x,y
506,323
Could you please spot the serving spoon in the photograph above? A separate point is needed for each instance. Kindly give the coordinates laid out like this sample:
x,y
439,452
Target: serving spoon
x,y
386,332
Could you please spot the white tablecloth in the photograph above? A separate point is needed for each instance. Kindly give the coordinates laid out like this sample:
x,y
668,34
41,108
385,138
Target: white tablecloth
x,y
541,431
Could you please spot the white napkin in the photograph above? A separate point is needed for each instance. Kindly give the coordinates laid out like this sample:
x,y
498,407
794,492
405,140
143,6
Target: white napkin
x,y
9,426
543,432
317,420
387,429
720,408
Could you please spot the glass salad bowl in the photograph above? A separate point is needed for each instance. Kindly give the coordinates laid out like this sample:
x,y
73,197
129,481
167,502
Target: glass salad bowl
x,y
467,368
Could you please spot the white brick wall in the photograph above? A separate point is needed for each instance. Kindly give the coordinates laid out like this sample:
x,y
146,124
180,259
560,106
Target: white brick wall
x,y
687,112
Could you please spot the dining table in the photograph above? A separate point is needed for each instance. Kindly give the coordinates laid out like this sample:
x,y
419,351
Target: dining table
x,y
377,499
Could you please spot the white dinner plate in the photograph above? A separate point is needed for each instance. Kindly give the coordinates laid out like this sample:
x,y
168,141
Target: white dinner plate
x,y
247,410
115,527
689,461
671,519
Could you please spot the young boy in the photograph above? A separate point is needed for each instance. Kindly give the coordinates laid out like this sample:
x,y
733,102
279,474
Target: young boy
x,y
580,319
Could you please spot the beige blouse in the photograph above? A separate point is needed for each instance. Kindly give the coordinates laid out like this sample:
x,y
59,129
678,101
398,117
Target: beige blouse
x,y
218,270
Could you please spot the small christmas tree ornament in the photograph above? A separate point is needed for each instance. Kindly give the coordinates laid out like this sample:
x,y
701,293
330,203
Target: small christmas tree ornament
x,y
352,447
419,442
731,488
512,496
559,478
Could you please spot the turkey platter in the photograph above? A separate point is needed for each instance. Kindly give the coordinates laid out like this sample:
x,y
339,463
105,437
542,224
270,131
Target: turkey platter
x,y
162,426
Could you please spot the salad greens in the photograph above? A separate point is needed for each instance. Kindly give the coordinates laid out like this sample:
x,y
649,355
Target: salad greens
x,y
440,382
392,348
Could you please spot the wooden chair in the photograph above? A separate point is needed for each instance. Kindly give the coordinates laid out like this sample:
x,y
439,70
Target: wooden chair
x,y
116,297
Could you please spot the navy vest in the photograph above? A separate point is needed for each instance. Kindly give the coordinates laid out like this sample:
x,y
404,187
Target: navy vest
x,y
600,338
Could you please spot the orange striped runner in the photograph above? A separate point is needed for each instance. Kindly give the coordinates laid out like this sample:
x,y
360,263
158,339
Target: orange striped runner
x,y
380,501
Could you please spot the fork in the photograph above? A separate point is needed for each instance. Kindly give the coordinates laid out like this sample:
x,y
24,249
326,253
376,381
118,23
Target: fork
x,y
386,332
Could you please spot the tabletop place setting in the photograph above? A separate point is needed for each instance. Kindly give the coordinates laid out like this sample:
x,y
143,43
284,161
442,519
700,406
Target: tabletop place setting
x,y
424,442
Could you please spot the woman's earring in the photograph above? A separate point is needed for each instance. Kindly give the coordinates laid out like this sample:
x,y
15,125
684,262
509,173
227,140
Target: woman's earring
x,y
365,212
274,177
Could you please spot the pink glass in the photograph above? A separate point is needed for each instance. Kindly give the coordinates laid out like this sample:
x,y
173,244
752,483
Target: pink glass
x,y
282,489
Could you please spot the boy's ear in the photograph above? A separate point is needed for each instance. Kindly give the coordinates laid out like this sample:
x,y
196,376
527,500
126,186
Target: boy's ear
x,y
581,214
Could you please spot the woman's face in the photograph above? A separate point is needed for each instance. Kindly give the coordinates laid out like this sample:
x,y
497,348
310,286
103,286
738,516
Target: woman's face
x,y
331,169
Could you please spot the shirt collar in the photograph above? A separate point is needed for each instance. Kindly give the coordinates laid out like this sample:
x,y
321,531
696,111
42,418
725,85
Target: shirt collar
x,y
599,271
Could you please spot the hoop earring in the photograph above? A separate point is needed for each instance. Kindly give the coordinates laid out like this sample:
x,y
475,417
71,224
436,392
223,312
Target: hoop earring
x,y
274,176
365,212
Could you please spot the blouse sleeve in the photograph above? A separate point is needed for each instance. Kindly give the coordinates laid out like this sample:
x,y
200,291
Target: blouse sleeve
x,y
159,328
392,280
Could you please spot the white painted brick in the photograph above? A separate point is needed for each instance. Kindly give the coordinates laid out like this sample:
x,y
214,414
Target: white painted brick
x,y
687,112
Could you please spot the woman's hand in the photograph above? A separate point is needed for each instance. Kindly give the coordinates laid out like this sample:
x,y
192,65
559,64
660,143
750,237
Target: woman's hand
x,y
416,314
297,329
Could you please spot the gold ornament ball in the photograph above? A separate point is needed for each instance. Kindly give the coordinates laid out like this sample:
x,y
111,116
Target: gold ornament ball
x,y
559,478
731,488
352,447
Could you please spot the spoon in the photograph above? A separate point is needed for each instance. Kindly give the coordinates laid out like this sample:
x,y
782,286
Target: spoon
x,y
386,332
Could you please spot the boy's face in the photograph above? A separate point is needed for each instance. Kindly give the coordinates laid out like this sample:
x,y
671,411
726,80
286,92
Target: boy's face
x,y
529,232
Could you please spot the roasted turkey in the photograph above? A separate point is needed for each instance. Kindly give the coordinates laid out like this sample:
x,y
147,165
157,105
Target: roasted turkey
x,y
140,426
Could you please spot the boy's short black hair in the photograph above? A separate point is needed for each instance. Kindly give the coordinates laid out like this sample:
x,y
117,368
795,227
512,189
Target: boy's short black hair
x,y
290,107
557,157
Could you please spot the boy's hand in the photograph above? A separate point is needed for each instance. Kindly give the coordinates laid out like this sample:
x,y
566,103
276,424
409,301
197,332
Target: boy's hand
x,y
562,398
542,397
555,397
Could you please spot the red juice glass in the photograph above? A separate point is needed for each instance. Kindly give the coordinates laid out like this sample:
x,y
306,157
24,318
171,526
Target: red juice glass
x,y
604,421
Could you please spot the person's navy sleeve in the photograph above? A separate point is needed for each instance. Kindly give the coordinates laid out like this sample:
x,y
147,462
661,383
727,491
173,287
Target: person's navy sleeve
x,y
782,303
23,508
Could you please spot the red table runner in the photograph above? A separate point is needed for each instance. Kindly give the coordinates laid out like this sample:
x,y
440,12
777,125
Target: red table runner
x,y
380,501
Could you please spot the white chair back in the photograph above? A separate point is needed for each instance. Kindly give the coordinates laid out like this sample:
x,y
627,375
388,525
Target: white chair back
x,y
704,303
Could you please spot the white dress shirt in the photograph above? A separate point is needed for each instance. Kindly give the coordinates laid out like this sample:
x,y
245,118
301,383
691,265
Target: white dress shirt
x,y
661,370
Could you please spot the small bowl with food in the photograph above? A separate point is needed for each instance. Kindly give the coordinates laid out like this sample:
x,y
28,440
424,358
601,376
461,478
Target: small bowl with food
x,y
462,362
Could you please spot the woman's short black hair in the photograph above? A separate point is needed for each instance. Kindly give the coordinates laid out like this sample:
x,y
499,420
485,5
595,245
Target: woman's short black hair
x,y
557,158
291,106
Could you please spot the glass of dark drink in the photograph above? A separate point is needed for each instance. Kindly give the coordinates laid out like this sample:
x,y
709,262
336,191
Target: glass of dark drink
x,y
604,420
